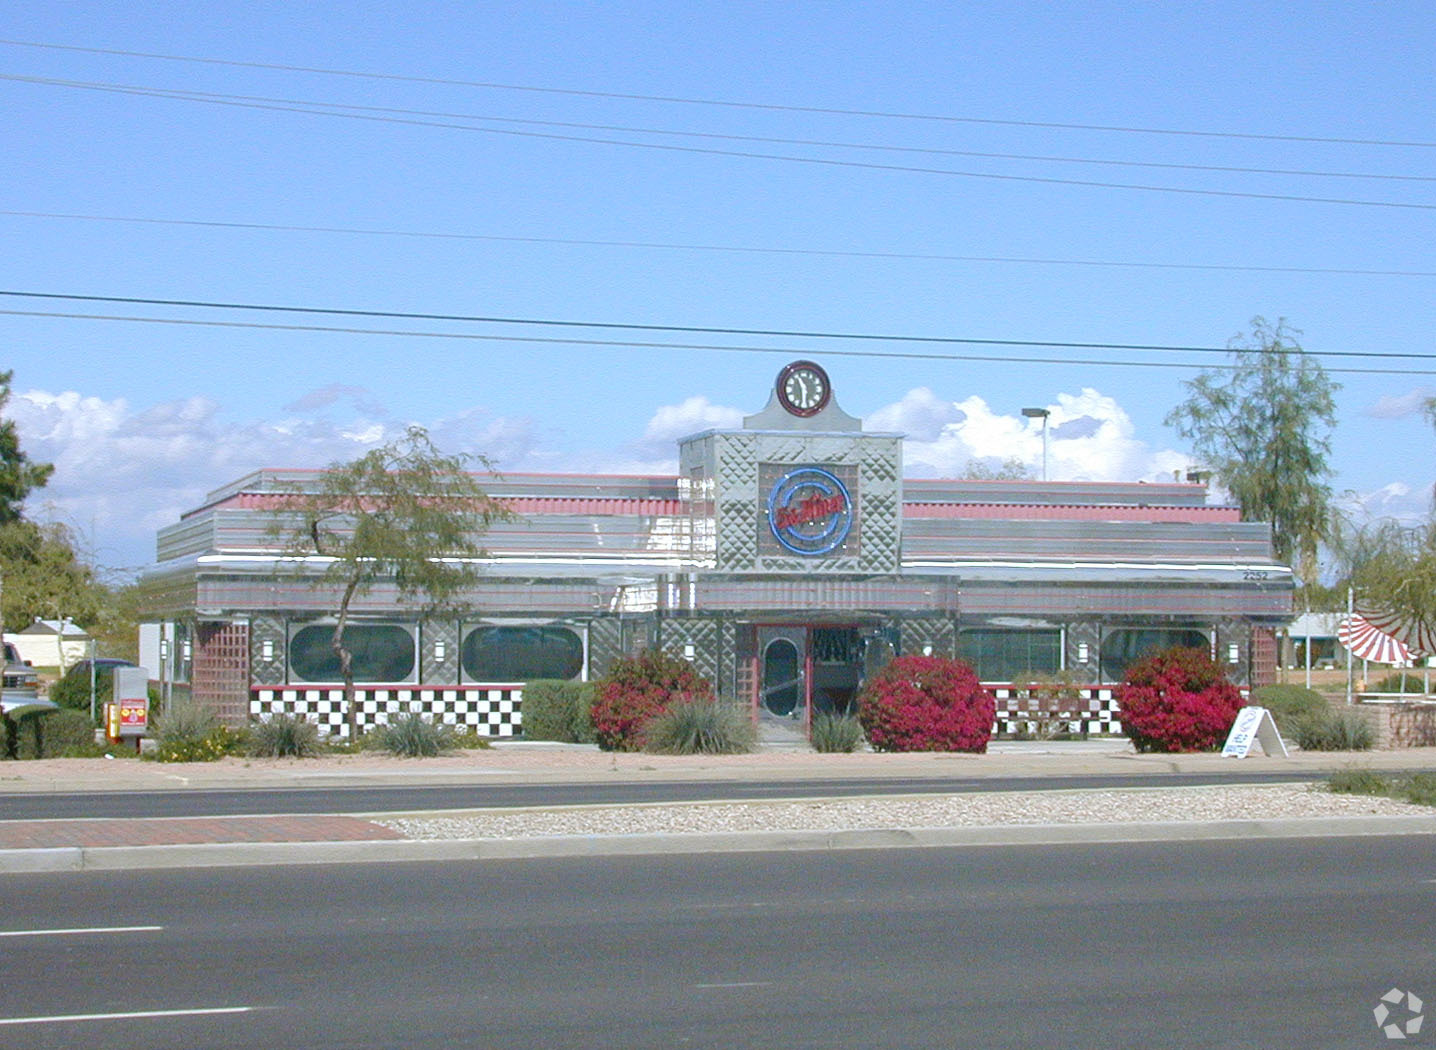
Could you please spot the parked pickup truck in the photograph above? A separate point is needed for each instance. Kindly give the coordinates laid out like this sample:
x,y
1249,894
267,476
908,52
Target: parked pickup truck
x,y
20,677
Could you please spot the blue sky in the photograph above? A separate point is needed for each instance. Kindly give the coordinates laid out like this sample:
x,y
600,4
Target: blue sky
x,y
513,175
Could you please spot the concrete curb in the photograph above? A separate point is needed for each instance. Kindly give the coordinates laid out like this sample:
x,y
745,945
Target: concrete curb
x,y
134,858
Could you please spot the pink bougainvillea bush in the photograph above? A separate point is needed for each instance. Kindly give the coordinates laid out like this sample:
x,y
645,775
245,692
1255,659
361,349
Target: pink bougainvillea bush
x,y
1178,700
635,690
926,703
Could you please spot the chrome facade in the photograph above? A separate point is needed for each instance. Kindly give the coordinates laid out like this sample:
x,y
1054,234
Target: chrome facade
x,y
691,563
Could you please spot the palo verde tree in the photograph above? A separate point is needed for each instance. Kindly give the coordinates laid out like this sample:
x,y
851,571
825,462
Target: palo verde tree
x,y
405,516
1262,426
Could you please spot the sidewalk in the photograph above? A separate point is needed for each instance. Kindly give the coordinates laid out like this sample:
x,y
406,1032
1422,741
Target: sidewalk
x,y
55,845
522,762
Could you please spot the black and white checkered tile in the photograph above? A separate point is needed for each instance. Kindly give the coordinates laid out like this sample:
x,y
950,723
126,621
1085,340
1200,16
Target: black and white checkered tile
x,y
1094,710
493,712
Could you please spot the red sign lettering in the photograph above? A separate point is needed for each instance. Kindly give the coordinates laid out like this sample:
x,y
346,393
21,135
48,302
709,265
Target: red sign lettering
x,y
814,508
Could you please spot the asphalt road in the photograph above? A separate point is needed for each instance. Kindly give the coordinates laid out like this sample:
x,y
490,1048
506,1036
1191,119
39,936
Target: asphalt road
x,y
395,799
1269,943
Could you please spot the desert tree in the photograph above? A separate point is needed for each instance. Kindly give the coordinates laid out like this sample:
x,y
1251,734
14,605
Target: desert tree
x,y
1263,426
404,516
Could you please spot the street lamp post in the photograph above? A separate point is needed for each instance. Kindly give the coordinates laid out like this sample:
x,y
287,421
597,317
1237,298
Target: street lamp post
x,y
1042,414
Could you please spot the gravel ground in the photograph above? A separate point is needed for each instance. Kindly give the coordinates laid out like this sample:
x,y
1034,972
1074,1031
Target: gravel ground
x,y
926,811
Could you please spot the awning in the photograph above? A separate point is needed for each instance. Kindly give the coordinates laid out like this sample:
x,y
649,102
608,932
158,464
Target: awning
x,y
1369,642
1417,636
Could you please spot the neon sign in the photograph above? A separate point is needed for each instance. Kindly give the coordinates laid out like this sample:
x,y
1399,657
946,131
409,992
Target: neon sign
x,y
810,511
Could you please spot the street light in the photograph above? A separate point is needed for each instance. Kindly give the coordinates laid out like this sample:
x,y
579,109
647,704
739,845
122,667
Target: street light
x,y
1042,414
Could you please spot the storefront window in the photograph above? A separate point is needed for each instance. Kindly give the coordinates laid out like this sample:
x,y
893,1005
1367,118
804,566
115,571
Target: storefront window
x,y
1000,655
521,654
378,653
1123,647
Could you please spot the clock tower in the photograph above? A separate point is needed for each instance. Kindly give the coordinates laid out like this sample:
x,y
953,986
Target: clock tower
x,y
800,489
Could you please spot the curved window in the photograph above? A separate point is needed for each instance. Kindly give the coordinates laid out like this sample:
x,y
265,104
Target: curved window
x,y
1123,647
521,654
1010,655
379,653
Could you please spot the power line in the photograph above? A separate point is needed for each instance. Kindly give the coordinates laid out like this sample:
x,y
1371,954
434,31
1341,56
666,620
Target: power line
x,y
742,249
787,158
603,325
187,94
641,327
724,103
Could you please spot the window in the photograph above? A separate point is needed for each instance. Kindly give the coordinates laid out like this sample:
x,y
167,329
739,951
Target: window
x,y
1125,646
521,654
1006,655
379,653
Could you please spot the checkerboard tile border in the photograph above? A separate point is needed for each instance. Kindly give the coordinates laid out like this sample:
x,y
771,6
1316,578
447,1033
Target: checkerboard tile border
x,y
1094,710
492,711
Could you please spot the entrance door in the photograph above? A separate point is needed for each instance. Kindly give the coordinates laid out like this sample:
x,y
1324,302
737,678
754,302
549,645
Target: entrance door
x,y
783,677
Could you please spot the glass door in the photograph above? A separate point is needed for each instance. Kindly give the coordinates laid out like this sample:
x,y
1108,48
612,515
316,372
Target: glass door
x,y
783,675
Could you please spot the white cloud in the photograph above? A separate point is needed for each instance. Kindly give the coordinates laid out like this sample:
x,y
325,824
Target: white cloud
x,y
1394,500
693,416
921,415
121,474
1089,438
1403,405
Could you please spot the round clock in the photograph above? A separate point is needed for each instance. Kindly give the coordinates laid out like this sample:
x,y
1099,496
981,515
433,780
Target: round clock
x,y
803,388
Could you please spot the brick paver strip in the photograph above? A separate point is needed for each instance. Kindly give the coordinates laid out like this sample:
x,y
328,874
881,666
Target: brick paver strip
x,y
174,831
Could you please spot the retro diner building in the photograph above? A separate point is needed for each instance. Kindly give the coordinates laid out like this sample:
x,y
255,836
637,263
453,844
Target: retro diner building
x,y
788,558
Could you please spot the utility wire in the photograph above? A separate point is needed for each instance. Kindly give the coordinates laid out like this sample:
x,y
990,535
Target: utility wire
x,y
742,249
787,158
724,103
697,329
610,326
212,96
629,344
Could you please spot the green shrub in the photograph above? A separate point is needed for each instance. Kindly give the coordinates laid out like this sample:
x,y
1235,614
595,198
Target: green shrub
x,y
1420,788
834,733
69,734
284,736
1417,788
554,709
74,695
1334,731
190,733
1400,682
926,703
468,740
54,734
1357,782
638,689
701,727
413,737
1289,704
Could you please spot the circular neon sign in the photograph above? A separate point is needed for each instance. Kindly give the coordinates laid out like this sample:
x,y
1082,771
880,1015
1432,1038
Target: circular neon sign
x,y
810,511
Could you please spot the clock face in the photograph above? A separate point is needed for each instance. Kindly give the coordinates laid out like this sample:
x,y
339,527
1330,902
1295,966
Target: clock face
x,y
803,388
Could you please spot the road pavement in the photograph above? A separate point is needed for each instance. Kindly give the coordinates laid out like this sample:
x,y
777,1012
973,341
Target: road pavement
x,y
1270,943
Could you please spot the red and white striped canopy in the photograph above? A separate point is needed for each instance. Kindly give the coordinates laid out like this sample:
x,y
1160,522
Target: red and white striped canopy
x,y
1418,637
1371,643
